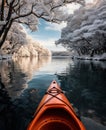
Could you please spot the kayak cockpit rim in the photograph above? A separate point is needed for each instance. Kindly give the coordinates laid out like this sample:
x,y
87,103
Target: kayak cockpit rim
x,y
62,115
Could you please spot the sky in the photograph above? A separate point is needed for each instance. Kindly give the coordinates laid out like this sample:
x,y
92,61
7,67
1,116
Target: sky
x,y
48,33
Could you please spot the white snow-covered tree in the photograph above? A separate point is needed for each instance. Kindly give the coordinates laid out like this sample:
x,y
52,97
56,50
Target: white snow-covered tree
x,y
15,39
28,11
86,30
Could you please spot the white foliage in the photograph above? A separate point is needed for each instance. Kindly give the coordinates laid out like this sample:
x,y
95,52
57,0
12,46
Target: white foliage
x,y
50,10
86,29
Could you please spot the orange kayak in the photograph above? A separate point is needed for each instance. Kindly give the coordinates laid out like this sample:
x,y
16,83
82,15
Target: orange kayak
x,y
55,112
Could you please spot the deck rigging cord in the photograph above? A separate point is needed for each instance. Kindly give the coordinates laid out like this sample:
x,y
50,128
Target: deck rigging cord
x,y
57,92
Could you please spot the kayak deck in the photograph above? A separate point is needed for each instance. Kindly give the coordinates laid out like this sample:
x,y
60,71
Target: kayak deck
x,y
55,112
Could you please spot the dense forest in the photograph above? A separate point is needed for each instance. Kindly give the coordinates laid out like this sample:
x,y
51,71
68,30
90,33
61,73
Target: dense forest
x,y
28,13
84,35
85,32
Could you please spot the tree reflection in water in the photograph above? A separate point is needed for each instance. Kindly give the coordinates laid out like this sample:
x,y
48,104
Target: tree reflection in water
x,y
85,86
16,108
7,113
16,114
83,82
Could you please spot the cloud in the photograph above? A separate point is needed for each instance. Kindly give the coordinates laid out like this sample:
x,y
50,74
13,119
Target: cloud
x,y
50,44
89,1
55,27
70,8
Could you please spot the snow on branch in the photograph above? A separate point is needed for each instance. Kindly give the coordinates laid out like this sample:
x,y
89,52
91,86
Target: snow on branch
x,y
86,30
28,12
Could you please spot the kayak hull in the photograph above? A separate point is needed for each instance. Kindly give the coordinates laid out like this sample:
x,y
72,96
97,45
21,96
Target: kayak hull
x,y
55,112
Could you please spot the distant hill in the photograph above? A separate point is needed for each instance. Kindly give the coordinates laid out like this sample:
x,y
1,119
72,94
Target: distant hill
x,y
61,53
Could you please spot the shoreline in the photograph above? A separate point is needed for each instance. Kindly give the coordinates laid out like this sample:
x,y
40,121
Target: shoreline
x,y
96,58
5,57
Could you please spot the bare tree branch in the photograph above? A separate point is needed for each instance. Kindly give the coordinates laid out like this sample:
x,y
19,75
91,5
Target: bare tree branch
x,y
2,11
21,11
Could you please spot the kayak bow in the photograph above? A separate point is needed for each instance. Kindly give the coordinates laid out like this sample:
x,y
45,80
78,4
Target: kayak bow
x,y
55,112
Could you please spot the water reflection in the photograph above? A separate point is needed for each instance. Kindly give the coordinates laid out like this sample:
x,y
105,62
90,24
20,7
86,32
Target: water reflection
x,y
15,74
85,86
7,113
30,65
24,82
16,108
45,75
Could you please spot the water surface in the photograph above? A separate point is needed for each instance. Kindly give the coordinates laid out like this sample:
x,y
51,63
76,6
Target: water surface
x,y
24,82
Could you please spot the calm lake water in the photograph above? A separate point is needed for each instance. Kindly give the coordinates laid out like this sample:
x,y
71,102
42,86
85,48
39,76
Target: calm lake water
x,y
23,83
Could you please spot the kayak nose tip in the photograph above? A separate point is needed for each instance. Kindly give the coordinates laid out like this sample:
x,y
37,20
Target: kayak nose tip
x,y
54,82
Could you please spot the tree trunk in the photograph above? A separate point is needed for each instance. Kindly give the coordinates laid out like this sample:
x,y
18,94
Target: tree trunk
x,y
2,10
92,53
78,51
4,34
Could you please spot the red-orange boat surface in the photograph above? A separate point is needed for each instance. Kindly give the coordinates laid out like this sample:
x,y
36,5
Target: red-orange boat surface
x,y
55,112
